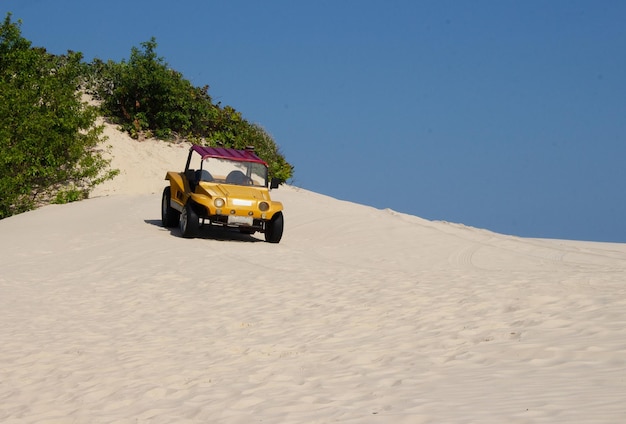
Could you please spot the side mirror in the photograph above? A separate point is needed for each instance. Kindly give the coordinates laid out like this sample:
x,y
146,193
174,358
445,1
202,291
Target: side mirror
x,y
275,183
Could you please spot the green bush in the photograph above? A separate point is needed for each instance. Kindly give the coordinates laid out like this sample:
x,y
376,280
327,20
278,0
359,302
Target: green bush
x,y
144,96
48,137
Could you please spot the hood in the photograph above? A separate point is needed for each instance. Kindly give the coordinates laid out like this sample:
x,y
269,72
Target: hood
x,y
235,191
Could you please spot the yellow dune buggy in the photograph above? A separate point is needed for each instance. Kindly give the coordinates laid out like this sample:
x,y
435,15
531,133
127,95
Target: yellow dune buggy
x,y
226,187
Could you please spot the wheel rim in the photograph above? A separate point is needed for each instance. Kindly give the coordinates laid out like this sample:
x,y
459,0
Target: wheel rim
x,y
164,207
183,220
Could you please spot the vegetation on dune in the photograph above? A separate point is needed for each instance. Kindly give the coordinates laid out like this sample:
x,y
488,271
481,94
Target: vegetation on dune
x,y
148,98
49,138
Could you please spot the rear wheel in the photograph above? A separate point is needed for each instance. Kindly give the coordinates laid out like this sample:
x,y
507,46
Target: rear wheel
x,y
274,228
169,215
189,222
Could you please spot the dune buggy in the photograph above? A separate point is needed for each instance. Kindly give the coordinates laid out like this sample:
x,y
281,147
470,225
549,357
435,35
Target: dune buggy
x,y
226,187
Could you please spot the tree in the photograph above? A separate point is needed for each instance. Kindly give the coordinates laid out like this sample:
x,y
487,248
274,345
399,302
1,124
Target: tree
x,y
48,137
146,97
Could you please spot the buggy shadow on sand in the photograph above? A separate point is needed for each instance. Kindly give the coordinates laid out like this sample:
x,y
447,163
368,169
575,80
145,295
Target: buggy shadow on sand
x,y
211,232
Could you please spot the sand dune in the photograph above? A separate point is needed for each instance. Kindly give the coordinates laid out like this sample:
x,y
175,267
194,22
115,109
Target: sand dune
x,y
359,315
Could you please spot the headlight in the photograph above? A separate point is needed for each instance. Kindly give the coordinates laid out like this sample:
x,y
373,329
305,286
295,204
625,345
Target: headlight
x,y
264,206
219,203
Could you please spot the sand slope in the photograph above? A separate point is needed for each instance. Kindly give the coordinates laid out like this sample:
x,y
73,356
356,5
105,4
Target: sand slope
x,y
357,316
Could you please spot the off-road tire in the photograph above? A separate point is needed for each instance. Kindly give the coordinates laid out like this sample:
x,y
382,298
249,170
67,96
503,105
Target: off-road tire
x,y
169,215
189,223
274,228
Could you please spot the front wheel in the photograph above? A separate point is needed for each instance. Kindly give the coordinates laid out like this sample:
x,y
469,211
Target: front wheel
x,y
169,215
189,222
274,228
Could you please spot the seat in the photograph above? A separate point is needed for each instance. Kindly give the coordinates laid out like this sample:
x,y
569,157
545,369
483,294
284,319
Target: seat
x,y
190,176
203,175
237,177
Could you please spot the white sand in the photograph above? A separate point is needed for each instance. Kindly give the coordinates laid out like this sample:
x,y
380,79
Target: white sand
x,y
359,315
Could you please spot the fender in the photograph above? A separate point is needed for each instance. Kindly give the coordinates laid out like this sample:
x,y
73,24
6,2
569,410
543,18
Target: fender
x,y
177,190
275,207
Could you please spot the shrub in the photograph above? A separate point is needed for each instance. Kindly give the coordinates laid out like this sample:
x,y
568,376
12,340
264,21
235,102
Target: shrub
x,y
144,96
48,136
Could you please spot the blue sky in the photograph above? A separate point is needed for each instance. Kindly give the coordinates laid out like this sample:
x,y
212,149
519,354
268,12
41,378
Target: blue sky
x,y
504,115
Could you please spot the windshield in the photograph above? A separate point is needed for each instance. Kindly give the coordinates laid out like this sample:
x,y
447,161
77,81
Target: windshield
x,y
235,172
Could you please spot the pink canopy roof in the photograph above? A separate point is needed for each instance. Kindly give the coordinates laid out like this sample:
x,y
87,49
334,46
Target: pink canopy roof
x,y
227,153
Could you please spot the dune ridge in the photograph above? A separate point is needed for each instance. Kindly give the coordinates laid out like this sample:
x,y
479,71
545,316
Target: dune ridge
x,y
358,316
